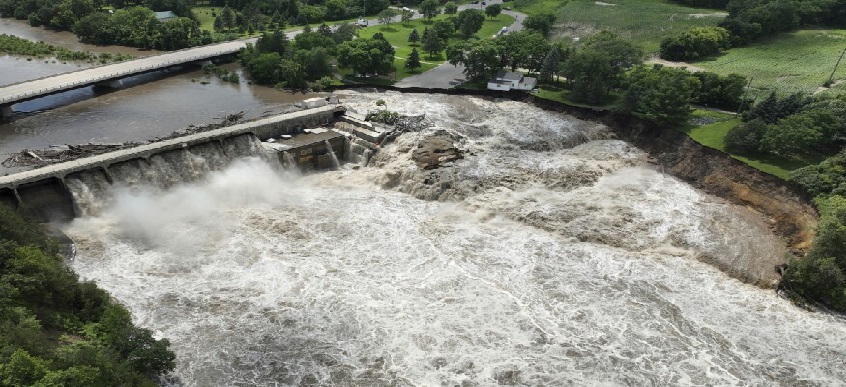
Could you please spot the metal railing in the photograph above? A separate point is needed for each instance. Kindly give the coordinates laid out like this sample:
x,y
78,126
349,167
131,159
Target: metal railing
x,y
94,78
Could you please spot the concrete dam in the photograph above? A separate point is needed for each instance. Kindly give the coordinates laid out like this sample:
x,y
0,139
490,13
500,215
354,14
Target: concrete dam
x,y
50,193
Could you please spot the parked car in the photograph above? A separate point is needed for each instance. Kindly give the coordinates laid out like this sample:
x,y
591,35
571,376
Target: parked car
x,y
362,22
484,3
474,2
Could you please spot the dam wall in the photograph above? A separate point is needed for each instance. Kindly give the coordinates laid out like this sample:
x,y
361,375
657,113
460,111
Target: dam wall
x,y
46,194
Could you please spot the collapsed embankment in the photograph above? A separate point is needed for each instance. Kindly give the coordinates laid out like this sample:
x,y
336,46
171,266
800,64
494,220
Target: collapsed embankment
x,y
789,210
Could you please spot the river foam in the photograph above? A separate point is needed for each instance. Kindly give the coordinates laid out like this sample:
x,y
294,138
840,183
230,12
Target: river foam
x,y
559,258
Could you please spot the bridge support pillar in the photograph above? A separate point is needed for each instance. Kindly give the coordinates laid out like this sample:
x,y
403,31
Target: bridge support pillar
x,y
113,84
6,111
206,62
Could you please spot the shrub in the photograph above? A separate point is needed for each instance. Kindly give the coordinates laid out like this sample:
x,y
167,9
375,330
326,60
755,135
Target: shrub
x,y
746,137
694,43
820,274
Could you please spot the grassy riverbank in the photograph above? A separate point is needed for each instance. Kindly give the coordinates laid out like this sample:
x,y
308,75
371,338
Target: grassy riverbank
x,y
13,45
712,134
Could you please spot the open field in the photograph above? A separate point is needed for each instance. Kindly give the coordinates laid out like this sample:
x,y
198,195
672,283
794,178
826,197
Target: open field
x,y
397,34
204,16
798,61
645,22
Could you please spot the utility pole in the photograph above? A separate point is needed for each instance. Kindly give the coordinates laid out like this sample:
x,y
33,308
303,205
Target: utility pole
x,y
743,98
831,77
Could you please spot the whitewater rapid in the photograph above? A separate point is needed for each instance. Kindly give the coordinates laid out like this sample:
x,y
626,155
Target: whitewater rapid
x,y
551,255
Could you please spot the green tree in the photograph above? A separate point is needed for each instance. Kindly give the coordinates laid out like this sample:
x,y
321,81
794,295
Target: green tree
x,y
367,56
227,18
821,274
336,10
386,16
292,74
432,43
523,49
22,370
315,63
590,75
345,32
95,28
414,37
480,58
718,91
694,43
659,94
772,109
407,15
800,133
493,10
444,29
746,137
469,22
264,68
825,178
450,8
553,61
429,8
541,23
413,60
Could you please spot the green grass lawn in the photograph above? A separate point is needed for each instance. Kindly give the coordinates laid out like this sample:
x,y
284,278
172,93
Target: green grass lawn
x,y
713,136
397,34
536,7
204,16
556,92
790,62
645,22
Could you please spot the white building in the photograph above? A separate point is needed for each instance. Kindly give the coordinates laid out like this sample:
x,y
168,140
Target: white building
x,y
507,80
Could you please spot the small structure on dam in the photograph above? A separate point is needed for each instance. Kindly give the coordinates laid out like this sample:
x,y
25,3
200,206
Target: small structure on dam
x,y
51,193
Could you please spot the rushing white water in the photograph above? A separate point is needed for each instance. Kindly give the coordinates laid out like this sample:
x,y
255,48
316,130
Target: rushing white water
x,y
555,258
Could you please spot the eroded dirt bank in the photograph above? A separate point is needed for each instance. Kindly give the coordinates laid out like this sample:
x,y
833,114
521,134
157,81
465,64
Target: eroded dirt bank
x,y
789,210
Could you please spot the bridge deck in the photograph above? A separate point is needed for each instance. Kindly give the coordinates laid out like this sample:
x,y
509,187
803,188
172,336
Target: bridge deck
x,y
23,91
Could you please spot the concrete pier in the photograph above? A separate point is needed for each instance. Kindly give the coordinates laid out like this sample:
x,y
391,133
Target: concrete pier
x,y
6,111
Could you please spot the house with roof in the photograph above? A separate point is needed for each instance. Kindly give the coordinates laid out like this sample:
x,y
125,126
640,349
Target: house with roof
x,y
166,16
507,80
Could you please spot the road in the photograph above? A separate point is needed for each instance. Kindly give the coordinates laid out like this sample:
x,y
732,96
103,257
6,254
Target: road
x,y
447,76
26,90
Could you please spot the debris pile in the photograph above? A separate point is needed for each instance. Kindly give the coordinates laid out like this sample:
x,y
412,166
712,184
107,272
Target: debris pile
x,y
61,153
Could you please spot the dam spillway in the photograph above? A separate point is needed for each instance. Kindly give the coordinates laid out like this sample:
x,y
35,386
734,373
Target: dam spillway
x,y
45,191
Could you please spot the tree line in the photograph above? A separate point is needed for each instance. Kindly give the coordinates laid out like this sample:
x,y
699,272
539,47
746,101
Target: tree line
x,y
306,62
13,45
134,26
749,20
57,331
603,65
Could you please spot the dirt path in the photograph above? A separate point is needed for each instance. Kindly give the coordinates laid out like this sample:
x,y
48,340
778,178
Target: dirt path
x,y
688,66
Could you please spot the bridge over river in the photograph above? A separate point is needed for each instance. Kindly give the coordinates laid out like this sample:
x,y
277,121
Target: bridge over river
x,y
106,74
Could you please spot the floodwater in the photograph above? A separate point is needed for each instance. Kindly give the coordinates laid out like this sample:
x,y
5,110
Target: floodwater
x,y
554,255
